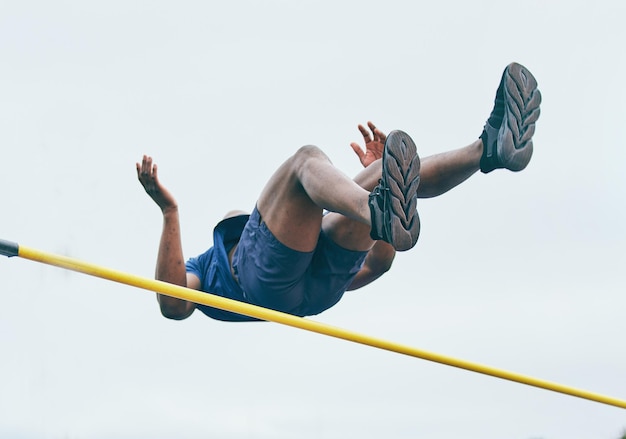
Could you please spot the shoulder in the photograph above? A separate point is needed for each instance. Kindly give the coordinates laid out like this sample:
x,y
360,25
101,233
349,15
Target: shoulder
x,y
200,262
230,227
234,213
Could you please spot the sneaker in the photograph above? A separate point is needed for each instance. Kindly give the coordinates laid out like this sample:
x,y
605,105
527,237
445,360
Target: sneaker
x,y
393,202
507,136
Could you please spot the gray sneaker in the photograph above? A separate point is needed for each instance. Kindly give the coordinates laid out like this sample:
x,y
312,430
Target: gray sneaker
x,y
393,202
507,136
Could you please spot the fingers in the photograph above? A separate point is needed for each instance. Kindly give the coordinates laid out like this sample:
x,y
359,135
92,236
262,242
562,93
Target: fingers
x,y
379,136
365,133
146,169
147,173
146,166
376,135
359,152
357,149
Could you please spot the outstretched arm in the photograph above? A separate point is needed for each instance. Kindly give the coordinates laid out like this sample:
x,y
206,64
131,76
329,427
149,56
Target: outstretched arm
x,y
170,265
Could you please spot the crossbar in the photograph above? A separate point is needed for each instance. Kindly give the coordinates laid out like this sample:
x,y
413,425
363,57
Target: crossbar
x,y
8,248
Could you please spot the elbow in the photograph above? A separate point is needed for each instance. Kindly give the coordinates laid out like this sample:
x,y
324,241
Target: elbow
x,y
173,314
381,264
175,309
383,267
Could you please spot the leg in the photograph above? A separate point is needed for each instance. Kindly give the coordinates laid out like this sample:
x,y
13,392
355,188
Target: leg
x,y
439,173
345,232
292,202
442,172
281,248
506,142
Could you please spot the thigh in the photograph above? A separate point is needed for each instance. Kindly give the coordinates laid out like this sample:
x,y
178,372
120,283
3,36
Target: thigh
x,y
293,218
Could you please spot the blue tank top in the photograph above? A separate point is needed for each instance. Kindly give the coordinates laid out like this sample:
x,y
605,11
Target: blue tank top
x,y
213,269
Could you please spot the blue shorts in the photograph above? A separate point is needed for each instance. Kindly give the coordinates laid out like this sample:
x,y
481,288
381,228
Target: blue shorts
x,y
301,283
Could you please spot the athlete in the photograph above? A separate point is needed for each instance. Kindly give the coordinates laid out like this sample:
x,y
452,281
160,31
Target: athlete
x,y
314,233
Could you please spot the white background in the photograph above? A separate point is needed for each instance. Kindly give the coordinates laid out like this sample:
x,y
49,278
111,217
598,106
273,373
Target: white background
x,y
523,272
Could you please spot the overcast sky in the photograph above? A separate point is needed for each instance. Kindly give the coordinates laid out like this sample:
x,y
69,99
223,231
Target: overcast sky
x,y
519,271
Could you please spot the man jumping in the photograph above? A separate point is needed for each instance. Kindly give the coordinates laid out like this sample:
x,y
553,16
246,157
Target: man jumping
x,y
314,233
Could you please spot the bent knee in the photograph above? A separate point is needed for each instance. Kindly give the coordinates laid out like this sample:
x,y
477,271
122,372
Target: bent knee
x,y
308,152
305,155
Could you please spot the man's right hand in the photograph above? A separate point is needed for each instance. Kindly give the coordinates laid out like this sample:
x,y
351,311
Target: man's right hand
x,y
148,177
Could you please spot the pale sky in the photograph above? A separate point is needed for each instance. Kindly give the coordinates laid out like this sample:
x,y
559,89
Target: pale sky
x,y
519,271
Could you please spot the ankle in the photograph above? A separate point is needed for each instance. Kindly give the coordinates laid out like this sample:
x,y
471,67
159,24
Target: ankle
x,y
476,150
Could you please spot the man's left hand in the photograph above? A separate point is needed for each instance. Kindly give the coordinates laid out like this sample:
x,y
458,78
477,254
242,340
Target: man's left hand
x,y
374,144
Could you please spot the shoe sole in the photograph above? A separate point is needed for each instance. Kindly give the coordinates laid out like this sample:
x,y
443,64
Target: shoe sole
x,y
401,175
521,111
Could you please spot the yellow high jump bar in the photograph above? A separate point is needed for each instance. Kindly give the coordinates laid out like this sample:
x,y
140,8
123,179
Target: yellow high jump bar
x,y
10,249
